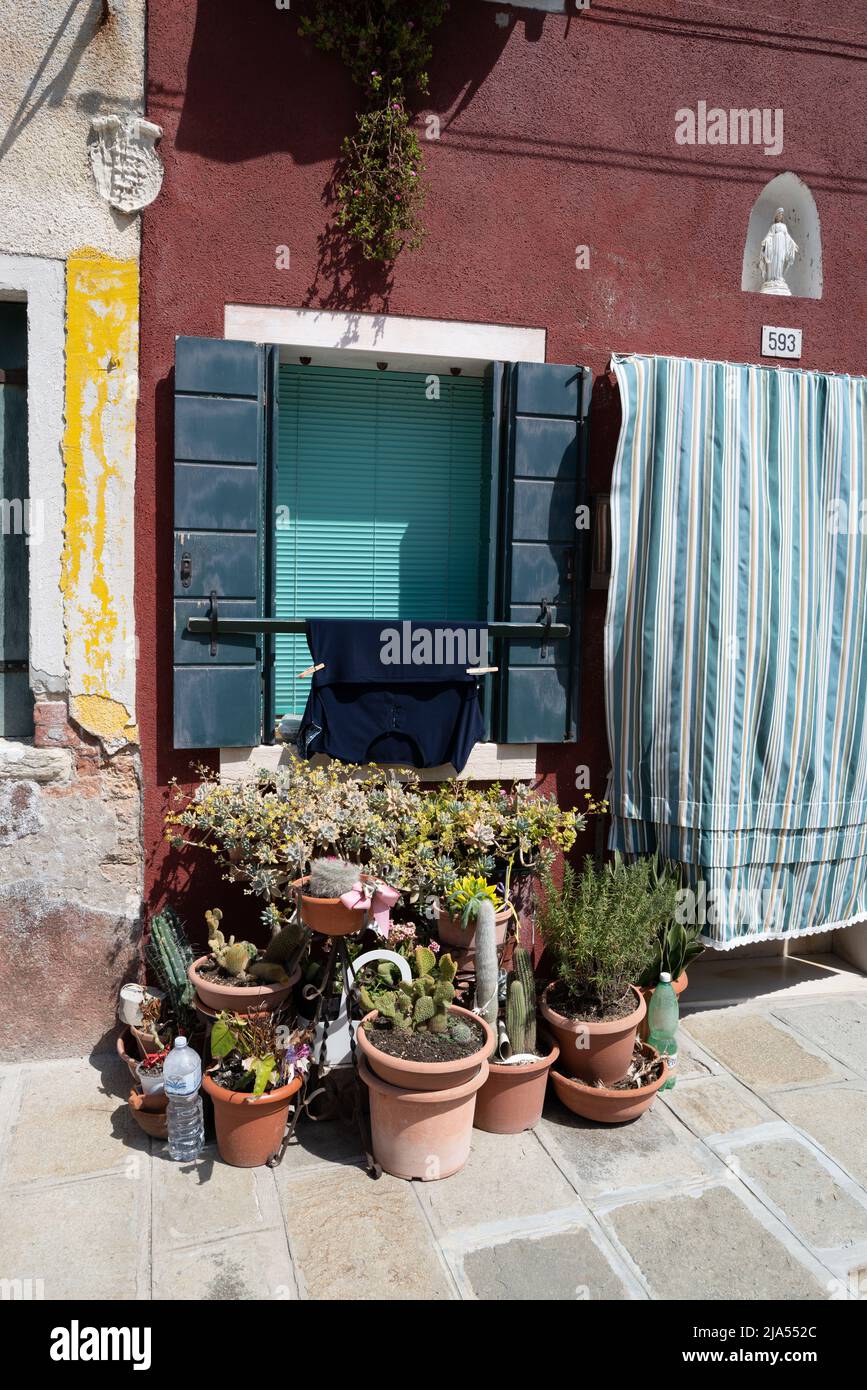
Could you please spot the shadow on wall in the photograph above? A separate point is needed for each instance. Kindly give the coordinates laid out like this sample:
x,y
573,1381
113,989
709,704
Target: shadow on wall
x,y
277,80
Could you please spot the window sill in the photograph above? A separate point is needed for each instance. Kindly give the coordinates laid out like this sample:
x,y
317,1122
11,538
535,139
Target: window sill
x,y
22,762
488,762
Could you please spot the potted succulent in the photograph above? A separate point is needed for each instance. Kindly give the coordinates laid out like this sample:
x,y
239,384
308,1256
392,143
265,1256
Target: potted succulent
x,y
599,927
675,946
512,1098
239,977
459,911
259,1065
337,898
423,1061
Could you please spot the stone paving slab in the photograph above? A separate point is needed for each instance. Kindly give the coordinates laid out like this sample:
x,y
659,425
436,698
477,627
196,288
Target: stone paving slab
x,y
808,1196
242,1267
80,1238
322,1144
507,1177
758,1051
716,1105
836,1118
564,1266
87,1119
711,1246
355,1238
209,1198
601,1159
839,1026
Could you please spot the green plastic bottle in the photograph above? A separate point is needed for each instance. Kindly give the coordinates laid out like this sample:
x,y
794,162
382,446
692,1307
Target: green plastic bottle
x,y
662,1016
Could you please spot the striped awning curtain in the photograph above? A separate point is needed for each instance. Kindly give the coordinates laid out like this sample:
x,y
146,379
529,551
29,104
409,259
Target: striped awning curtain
x,y
736,640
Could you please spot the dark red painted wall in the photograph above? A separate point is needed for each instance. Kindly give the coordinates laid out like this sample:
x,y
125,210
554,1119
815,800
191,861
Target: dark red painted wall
x,y
553,135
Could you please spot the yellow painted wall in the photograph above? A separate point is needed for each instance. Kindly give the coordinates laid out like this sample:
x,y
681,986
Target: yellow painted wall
x,y
99,473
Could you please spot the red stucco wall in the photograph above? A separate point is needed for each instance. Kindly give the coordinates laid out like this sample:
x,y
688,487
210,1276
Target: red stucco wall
x,y
553,135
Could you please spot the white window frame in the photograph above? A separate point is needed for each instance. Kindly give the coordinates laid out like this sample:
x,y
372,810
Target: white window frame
x,y
407,344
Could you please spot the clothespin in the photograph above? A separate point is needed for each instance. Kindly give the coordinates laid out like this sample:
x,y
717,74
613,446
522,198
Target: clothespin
x,y
308,670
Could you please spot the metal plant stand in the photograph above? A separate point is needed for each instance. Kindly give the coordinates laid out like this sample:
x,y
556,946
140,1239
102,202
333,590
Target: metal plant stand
x,y
311,1087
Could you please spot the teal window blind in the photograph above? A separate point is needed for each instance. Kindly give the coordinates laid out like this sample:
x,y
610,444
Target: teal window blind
x,y
381,503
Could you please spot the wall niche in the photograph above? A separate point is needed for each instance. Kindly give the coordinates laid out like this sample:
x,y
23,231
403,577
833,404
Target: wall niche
x,y
804,276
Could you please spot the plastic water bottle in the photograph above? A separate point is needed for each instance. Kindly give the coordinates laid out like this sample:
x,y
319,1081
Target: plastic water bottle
x,y
182,1074
662,1016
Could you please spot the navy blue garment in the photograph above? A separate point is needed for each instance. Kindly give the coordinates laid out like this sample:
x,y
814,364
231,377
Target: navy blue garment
x,y
393,692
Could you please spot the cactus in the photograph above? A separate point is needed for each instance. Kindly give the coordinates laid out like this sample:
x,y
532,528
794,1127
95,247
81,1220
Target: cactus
x,y
487,964
329,878
269,972
285,946
232,956
421,1004
522,965
169,955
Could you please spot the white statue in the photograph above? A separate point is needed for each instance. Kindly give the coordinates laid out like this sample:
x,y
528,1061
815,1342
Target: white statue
x,y
125,164
778,253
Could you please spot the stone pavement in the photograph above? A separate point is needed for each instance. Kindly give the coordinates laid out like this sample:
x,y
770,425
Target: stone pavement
x,y
746,1181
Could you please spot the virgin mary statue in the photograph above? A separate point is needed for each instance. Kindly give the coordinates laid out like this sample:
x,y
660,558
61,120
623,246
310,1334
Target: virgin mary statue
x,y
778,253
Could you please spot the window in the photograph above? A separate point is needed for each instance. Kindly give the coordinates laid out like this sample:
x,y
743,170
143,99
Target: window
x,y
16,700
381,502
338,491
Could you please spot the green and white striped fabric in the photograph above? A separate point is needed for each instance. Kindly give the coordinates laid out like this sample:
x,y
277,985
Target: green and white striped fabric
x,y
736,639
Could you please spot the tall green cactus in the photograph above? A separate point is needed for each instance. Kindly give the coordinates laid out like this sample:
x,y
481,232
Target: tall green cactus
x,y
522,966
169,955
487,964
521,1004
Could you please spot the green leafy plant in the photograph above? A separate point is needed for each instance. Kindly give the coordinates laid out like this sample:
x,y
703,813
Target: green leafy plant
x,y
386,47
601,925
466,896
421,1005
258,1053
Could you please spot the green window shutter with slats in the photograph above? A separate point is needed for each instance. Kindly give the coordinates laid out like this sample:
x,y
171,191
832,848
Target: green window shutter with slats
x,y
220,443
540,428
381,503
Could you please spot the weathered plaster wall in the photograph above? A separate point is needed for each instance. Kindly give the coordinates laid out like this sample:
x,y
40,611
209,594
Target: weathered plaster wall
x,y
70,797
62,64
555,134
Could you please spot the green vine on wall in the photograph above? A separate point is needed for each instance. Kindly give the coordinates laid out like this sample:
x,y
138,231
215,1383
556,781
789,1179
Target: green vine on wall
x,y
386,47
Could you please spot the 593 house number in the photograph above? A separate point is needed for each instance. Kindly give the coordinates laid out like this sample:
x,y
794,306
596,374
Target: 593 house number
x,y
781,342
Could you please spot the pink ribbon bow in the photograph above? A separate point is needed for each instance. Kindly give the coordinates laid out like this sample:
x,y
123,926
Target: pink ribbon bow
x,y
377,897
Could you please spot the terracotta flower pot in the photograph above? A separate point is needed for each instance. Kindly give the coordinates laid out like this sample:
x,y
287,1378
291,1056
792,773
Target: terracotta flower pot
x,y
249,1130
451,933
131,1062
607,1107
149,1112
421,1134
239,999
426,1076
678,985
328,916
595,1051
512,1098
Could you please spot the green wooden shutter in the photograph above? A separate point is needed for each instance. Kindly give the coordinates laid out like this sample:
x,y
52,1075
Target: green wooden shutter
x,y
540,424
220,441
16,697
381,505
